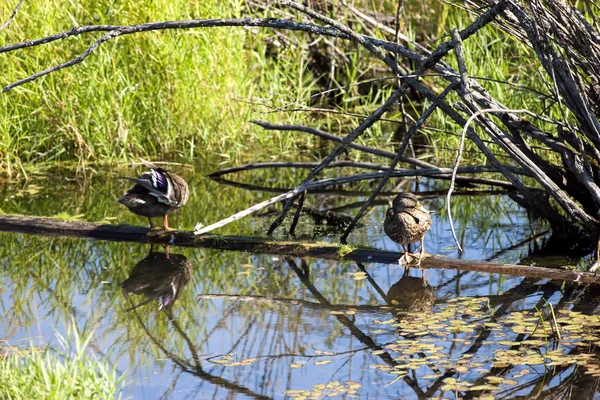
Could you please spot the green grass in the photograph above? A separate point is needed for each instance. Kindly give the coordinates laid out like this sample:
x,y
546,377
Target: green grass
x,y
180,95
175,95
53,374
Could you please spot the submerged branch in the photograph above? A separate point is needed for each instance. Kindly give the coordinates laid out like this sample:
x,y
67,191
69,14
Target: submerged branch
x,y
329,251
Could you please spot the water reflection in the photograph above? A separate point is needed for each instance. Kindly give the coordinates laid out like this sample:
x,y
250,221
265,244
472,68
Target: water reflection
x,y
160,276
411,294
263,326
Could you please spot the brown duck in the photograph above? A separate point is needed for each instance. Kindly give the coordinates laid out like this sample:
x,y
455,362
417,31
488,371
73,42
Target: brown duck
x,y
155,194
407,221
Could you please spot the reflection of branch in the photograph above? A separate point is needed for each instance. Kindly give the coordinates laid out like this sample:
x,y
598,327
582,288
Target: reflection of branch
x,y
354,330
305,303
173,357
372,281
195,370
517,245
185,337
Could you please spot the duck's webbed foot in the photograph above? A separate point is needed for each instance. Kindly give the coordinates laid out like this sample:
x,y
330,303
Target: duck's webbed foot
x,y
404,261
152,226
422,254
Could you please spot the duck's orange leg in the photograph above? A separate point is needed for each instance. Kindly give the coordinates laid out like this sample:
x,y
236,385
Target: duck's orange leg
x,y
421,253
166,224
404,259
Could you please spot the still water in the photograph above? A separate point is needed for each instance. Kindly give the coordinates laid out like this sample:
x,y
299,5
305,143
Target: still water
x,y
199,323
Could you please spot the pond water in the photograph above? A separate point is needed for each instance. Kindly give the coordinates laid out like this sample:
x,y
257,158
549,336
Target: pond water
x,y
261,326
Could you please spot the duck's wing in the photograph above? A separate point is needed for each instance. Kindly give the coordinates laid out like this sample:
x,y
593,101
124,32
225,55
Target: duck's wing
x,y
159,184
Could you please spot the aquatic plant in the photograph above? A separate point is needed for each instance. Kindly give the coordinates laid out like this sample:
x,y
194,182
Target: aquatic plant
x,y
49,373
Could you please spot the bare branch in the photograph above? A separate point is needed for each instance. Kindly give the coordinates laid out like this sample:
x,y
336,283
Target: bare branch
x,y
338,164
11,17
67,64
367,123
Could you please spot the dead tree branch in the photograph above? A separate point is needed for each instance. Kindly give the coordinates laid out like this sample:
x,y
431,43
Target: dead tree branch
x,y
126,233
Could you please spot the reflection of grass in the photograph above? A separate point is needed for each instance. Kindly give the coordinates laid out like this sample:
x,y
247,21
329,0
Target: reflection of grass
x,y
52,374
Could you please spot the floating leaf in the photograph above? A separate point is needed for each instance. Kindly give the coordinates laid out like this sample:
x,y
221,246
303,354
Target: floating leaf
x,y
296,393
482,387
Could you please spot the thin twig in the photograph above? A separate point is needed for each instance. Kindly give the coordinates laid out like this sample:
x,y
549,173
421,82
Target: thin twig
x,y
64,65
464,88
12,16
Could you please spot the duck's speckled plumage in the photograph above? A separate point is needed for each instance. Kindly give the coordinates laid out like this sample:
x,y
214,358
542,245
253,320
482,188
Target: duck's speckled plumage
x,y
407,221
156,193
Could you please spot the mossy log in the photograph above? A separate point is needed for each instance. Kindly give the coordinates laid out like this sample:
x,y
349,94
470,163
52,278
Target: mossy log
x,y
330,251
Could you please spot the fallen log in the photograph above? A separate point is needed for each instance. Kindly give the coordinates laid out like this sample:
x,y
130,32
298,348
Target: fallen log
x,y
329,251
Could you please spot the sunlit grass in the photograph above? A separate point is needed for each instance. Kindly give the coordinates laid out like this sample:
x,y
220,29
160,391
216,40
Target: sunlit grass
x,y
36,373
185,94
175,95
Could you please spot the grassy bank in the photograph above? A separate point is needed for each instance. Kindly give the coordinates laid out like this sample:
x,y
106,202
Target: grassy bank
x,y
49,374
181,94
171,95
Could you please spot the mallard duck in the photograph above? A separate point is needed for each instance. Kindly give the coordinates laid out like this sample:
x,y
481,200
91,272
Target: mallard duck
x,y
407,221
155,194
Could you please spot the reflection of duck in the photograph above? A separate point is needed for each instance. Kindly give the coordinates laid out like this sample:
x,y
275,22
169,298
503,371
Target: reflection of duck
x,y
159,276
155,194
407,221
411,294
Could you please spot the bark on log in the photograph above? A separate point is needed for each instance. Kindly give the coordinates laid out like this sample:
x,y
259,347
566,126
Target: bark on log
x,y
127,233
